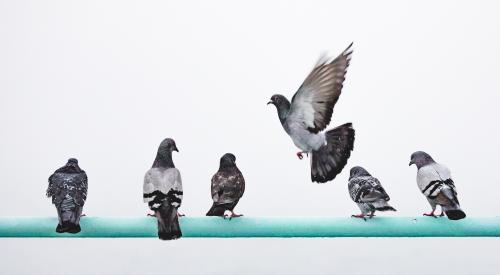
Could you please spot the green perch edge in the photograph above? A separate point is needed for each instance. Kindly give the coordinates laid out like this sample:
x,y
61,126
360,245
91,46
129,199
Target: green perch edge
x,y
257,227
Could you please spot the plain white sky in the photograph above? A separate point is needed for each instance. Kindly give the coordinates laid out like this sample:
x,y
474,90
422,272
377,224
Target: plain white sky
x,y
106,81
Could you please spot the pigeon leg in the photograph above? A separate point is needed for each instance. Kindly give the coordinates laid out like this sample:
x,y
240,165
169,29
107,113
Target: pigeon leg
x,y
442,213
228,214
372,214
359,216
299,155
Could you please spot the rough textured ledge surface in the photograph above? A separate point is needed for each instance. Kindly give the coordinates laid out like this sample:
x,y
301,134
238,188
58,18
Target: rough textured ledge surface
x,y
248,227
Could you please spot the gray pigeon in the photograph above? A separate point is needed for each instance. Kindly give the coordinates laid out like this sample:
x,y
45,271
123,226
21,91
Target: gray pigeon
x,y
68,189
368,193
310,112
163,191
434,180
228,186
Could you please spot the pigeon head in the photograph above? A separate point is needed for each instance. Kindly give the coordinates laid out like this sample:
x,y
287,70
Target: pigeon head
x,y
421,159
167,146
164,156
358,171
227,160
70,167
282,106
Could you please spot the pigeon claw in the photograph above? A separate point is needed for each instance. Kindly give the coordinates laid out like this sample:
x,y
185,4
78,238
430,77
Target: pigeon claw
x,y
430,214
180,214
360,216
299,155
228,214
150,215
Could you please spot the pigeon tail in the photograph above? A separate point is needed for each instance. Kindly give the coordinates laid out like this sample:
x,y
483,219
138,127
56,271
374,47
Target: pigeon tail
x,y
329,160
383,205
69,216
456,214
452,207
219,209
168,222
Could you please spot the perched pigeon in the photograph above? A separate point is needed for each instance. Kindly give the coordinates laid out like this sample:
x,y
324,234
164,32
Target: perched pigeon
x,y
163,191
310,112
68,189
368,193
434,180
228,186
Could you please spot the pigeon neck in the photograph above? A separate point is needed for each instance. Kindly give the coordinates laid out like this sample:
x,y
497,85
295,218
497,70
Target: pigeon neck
x,y
225,165
283,109
69,169
163,160
425,163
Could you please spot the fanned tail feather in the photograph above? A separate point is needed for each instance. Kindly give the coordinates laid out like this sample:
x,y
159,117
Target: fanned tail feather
x,y
329,160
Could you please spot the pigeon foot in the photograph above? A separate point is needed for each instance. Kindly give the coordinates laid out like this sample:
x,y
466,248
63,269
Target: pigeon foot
x,y
179,214
228,214
430,214
359,216
299,155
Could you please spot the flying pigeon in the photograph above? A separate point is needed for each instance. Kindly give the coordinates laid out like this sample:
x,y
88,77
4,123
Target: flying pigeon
x,y
434,180
68,189
228,186
368,193
309,114
163,191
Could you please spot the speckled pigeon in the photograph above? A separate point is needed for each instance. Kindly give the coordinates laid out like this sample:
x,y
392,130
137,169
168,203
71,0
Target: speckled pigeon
x,y
368,193
68,190
228,186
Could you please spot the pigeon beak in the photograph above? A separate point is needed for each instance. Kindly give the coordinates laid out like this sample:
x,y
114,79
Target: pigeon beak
x,y
411,162
175,149
270,102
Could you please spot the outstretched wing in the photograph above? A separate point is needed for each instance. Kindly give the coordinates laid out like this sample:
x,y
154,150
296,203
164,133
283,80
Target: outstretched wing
x,y
313,103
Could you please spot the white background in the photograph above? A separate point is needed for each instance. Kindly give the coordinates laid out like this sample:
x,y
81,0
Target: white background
x,y
106,81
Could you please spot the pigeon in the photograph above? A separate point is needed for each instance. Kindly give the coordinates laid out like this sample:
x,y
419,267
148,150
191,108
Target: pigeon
x,y
309,113
434,180
163,191
228,186
368,193
68,190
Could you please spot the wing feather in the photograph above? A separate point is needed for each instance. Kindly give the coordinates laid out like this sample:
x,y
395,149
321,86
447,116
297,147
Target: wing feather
x,y
313,103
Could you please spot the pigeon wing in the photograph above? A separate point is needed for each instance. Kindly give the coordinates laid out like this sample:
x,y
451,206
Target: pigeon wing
x,y
313,103
162,184
430,179
73,185
227,186
366,189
